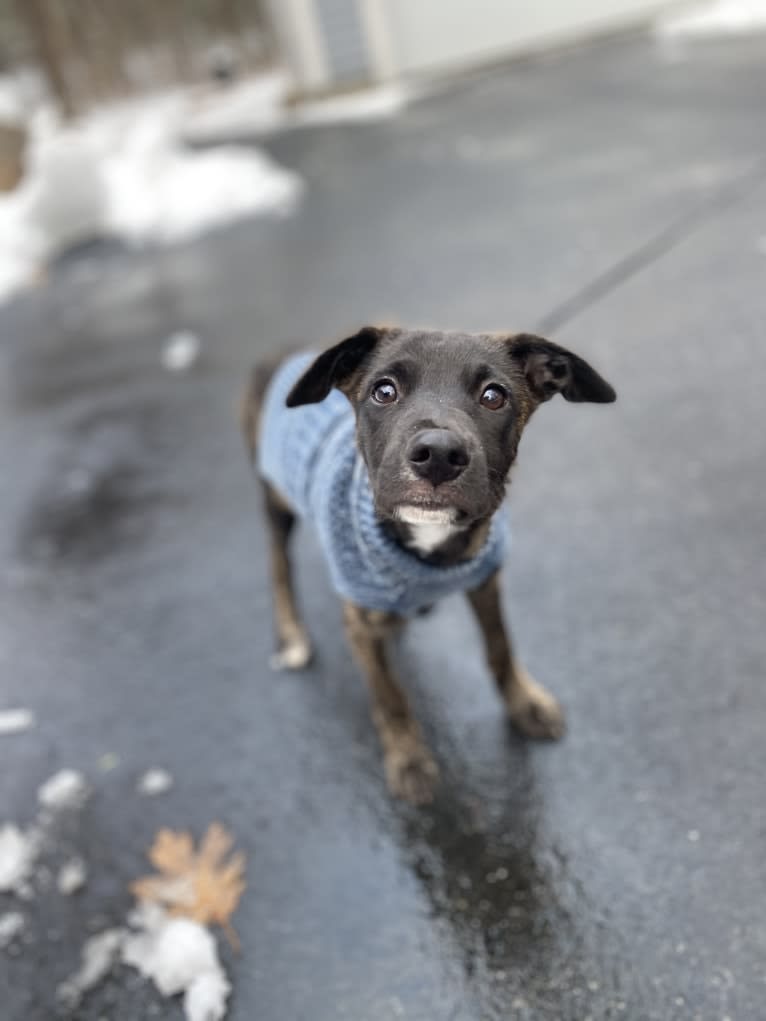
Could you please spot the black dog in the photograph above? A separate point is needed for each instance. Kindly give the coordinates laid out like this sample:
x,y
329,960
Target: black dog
x,y
437,419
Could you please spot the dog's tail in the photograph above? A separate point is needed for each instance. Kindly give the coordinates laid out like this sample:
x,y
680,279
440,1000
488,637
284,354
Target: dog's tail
x,y
249,412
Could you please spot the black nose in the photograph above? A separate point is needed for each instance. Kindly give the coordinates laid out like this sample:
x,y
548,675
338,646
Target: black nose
x,y
438,455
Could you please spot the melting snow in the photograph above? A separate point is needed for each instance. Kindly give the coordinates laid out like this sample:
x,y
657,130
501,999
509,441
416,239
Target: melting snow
x,y
181,351
205,998
155,781
123,170
11,925
72,877
14,721
64,790
99,955
18,851
179,956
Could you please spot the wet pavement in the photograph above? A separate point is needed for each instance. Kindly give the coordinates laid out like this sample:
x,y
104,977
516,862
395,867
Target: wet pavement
x,y
615,192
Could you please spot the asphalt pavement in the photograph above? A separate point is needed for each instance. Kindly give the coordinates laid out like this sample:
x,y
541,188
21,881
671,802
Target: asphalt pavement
x,y
614,194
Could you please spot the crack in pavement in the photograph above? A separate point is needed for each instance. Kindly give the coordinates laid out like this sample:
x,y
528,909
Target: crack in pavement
x,y
725,197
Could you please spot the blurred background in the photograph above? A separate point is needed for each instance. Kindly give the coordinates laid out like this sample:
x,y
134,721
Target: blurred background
x,y
188,185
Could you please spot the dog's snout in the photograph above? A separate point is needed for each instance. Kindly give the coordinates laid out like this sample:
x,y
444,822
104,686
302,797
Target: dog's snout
x,y
438,455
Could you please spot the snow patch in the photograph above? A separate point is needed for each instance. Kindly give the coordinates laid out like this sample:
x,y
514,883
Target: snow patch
x,y
11,107
65,790
20,93
18,851
123,170
19,249
179,956
99,955
14,721
72,877
205,999
11,925
173,954
166,195
719,18
64,196
181,351
155,781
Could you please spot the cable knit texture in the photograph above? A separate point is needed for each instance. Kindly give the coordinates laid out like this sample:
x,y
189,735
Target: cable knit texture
x,y
309,455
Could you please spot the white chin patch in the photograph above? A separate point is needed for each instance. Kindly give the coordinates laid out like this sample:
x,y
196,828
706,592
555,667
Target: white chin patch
x,y
411,514
430,528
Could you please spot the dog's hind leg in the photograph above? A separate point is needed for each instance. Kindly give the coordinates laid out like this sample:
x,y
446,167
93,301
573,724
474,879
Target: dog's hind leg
x,y
294,647
410,771
533,711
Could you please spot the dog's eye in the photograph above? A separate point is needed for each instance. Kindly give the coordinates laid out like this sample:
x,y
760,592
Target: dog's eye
x,y
493,397
384,392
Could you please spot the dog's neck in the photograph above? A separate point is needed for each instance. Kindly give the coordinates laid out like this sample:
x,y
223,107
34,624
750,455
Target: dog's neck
x,y
438,541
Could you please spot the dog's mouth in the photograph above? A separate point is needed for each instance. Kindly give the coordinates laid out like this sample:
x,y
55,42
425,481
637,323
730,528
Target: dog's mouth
x,y
418,503
428,514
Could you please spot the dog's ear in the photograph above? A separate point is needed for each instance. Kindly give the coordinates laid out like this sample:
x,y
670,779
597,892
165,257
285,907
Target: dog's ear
x,y
550,369
334,367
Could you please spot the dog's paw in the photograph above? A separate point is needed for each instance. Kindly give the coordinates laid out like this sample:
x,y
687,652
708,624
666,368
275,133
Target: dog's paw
x,y
535,713
294,655
412,775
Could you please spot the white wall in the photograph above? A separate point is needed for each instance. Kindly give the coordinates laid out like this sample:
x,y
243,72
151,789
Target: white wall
x,y
432,35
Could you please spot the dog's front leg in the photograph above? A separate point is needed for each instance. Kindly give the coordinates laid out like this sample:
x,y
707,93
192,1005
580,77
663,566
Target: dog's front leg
x,y
532,709
410,771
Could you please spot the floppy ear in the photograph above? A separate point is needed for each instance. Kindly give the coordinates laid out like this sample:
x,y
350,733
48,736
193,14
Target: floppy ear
x,y
550,369
334,367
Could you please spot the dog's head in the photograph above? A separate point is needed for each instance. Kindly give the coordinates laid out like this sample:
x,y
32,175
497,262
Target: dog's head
x,y
439,415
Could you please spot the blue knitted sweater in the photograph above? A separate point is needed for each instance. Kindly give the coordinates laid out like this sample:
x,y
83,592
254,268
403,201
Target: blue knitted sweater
x,y
309,455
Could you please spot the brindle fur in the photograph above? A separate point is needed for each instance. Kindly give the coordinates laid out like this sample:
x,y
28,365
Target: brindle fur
x,y
410,769
293,643
532,710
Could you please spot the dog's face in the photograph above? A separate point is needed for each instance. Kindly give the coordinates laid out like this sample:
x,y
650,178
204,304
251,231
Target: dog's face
x,y
440,415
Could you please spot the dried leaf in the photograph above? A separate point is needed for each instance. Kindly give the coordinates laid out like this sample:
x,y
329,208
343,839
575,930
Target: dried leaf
x,y
200,885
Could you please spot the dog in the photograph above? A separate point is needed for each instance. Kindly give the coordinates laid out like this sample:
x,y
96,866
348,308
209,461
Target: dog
x,y
398,444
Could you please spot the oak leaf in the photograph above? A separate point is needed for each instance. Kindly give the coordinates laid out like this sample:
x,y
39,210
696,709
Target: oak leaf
x,y
202,884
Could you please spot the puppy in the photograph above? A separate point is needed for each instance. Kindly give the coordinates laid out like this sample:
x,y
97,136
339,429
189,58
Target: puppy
x,y
397,445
